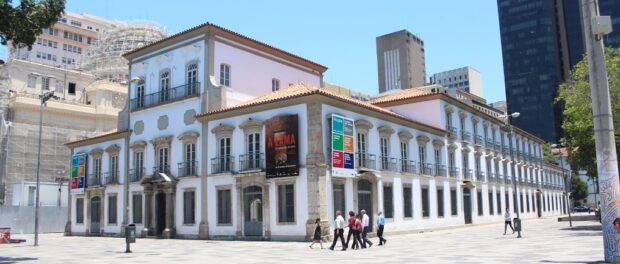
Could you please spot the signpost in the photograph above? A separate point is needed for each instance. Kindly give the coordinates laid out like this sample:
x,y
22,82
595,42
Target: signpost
x,y
343,147
78,173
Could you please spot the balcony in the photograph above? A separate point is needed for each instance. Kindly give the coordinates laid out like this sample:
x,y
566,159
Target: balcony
x,y
426,169
480,176
489,144
465,136
467,174
500,178
497,146
222,164
506,150
508,180
111,177
93,180
388,164
365,160
440,170
478,140
163,169
452,134
252,162
136,174
453,172
165,96
407,166
188,168
490,177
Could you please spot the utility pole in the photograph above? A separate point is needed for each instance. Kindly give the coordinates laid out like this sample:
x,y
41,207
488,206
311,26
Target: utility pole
x,y
606,160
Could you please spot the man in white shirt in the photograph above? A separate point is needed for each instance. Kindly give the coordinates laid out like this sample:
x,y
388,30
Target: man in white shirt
x,y
365,227
338,231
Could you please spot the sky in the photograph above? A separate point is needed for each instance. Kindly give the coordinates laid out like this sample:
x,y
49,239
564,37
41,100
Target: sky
x,y
338,34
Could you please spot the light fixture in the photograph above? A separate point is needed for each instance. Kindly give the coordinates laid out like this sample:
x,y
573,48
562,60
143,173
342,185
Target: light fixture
x,y
136,80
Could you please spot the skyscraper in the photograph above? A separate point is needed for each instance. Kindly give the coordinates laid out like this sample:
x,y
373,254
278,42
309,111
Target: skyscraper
x,y
541,41
465,78
400,60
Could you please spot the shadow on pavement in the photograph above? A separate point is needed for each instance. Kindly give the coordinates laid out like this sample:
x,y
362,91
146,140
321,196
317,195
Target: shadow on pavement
x,y
573,261
6,260
596,227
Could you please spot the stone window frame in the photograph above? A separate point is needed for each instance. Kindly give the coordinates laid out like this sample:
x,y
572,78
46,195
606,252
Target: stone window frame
x,y
388,184
141,207
474,124
159,79
159,143
252,126
113,153
385,142
187,70
410,186
449,110
422,149
107,201
362,127
428,199
136,147
223,131
463,120
187,138
141,83
224,187
441,188
193,190
77,214
404,137
222,81
278,183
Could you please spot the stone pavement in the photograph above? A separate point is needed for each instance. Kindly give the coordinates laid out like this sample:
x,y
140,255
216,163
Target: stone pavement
x,y
544,240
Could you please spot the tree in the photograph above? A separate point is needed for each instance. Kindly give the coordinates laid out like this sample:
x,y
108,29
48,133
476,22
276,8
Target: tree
x,y
579,190
548,153
578,126
22,23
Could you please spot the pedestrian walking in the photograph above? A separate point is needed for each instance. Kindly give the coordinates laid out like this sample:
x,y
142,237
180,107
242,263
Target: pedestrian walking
x,y
357,230
365,229
338,231
317,233
350,224
508,221
380,227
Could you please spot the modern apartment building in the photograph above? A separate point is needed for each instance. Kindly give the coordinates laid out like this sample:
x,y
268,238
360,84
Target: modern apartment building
x,y
541,41
256,160
65,43
400,60
467,79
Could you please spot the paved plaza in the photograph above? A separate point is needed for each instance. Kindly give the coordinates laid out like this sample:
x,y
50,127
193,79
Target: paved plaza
x,y
544,241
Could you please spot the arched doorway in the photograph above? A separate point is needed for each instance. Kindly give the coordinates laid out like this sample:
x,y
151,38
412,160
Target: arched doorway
x,y
253,211
364,200
95,215
467,205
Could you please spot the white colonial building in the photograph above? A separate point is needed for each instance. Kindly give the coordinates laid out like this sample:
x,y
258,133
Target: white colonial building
x,y
225,137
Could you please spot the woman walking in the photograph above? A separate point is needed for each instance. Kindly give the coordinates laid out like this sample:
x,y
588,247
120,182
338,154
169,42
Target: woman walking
x,y
317,233
508,221
357,231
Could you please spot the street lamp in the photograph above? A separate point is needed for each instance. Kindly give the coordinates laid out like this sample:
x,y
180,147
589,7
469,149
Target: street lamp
x,y
508,128
566,180
44,98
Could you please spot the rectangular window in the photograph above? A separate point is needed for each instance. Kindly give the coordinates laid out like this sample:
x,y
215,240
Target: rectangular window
x,y
164,86
225,154
225,75
480,204
138,161
137,208
45,83
71,88
527,203
79,210
425,203
490,203
407,204
453,202
32,81
275,85
438,156
498,203
224,207
111,209
521,203
189,209
253,152
192,78
388,202
422,154
384,153
163,160
190,159
339,197
440,206
140,93
114,165
97,167
286,203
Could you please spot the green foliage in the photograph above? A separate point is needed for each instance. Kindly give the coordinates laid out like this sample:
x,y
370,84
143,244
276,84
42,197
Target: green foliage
x,y
579,188
578,126
23,22
548,153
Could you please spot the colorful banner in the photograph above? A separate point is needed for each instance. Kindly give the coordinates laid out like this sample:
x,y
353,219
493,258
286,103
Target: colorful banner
x,y
282,151
343,147
78,173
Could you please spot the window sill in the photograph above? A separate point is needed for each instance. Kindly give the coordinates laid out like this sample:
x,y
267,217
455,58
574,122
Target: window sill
x,y
286,223
224,224
189,224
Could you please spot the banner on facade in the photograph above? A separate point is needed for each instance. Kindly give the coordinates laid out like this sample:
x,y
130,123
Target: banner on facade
x,y
343,147
282,151
78,173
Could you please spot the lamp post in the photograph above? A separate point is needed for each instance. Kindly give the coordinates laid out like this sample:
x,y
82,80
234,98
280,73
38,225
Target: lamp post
x,y
508,128
566,180
44,98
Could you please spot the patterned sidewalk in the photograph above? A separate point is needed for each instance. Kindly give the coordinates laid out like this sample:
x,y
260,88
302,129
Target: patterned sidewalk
x,y
544,240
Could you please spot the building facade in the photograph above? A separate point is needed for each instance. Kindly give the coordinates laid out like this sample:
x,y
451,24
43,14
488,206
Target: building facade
x,y
207,149
467,79
400,60
541,42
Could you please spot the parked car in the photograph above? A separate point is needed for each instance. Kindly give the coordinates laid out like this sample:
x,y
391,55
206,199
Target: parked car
x,y
582,209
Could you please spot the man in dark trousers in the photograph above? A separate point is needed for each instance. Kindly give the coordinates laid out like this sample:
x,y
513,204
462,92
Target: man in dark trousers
x,y
350,224
338,231
365,227
380,226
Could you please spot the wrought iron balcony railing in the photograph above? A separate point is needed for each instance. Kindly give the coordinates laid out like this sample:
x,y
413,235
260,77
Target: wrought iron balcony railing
x,y
165,96
465,136
467,174
136,174
452,134
408,166
440,170
453,172
252,162
93,180
365,160
426,169
478,139
222,164
188,168
388,163
480,176
111,177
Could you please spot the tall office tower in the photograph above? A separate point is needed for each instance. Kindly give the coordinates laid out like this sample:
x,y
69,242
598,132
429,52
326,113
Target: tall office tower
x,y
65,43
466,78
541,41
400,60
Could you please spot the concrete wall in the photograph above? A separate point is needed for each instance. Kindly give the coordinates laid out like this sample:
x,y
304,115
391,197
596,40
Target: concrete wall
x,y
21,219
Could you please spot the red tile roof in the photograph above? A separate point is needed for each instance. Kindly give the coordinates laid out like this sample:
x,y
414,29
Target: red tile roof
x,y
397,96
110,133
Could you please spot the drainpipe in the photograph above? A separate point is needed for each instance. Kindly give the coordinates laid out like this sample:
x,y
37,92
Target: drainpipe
x,y
126,169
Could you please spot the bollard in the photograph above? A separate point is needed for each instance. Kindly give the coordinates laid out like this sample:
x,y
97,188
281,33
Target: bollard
x,y
130,236
517,222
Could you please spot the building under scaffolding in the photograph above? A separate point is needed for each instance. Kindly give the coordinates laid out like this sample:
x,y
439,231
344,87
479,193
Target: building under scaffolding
x,y
104,59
